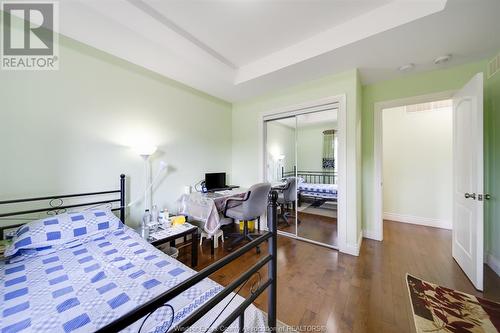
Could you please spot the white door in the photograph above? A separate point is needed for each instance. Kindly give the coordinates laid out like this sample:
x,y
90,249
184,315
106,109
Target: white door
x,y
468,195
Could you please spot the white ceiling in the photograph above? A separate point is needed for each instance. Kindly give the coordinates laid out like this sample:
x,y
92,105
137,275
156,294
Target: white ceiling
x,y
237,49
244,31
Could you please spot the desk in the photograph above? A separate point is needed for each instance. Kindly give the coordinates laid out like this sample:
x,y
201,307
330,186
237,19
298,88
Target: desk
x,y
205,207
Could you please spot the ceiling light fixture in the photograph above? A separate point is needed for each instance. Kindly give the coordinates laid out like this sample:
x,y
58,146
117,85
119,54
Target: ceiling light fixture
x,y
442,59
407,67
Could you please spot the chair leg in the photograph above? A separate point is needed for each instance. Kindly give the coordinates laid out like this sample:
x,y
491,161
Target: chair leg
x,y
285,217
245,228
283,214
240,237
245,236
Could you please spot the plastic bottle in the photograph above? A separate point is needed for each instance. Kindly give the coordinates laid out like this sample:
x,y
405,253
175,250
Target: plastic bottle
x,y
166,218
146,219
155,214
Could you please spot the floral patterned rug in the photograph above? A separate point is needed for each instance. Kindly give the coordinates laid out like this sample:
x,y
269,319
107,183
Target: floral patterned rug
x,y
440,309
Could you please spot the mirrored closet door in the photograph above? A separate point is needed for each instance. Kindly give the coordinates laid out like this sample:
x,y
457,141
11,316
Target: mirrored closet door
x,y
317,154
301,158
280,167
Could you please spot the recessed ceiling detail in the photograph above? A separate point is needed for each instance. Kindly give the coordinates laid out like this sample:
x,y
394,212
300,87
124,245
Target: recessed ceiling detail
x,y
236,49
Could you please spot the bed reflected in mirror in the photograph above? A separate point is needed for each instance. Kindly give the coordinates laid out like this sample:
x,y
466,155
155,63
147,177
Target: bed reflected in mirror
x,y
301,163
317,153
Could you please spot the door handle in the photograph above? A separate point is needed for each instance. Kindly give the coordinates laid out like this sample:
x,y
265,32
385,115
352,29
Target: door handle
x,y
470,195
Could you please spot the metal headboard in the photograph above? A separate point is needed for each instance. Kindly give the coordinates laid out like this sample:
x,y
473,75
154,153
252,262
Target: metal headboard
x,y
314,177
55,203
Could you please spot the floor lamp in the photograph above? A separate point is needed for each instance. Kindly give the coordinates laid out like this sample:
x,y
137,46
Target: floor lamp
x,y
145,152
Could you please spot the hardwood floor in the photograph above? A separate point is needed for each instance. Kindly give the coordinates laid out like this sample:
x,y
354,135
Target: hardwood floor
x,y
318,286
318,228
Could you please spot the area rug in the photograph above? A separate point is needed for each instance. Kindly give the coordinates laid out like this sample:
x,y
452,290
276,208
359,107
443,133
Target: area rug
x,y
440,309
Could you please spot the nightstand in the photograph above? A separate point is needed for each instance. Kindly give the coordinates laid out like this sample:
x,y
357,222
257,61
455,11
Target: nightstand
x,y
171,234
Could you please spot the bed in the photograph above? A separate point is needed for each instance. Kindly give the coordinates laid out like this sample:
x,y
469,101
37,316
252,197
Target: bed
x,y
87,271
320,191
317,186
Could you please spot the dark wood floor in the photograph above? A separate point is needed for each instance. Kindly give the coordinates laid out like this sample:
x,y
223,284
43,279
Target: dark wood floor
x,y
318,286
318,228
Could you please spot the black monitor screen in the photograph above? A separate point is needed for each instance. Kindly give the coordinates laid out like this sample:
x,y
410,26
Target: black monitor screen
x,y
215,180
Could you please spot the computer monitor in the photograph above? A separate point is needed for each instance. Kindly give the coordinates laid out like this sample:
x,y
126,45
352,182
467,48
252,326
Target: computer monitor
x,y
215,180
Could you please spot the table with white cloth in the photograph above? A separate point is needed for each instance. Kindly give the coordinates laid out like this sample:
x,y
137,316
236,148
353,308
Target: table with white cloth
x,y
205,208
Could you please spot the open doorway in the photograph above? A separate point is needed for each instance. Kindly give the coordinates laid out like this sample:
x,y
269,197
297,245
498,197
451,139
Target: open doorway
x,y
417,159
467,195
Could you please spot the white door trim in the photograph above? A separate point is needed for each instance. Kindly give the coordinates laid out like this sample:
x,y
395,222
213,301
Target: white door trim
x,y
303,108
378,212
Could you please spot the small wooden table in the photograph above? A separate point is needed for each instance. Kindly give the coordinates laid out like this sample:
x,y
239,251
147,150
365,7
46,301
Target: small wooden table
x,y
171,234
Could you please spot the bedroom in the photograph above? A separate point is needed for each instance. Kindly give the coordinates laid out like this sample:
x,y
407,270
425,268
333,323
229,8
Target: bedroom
x,y
173,76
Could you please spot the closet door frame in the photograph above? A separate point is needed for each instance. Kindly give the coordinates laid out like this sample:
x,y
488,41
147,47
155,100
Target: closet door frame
x,y
329,103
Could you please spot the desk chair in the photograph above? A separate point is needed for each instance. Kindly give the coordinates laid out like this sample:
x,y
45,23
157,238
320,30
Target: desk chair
x,y
248,208
287,196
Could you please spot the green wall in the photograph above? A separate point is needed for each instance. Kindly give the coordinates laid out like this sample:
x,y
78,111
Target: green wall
x,y
310,146
71,130
247,134
412,85
492,160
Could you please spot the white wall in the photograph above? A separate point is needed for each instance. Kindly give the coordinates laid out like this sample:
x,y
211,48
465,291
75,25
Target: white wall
x,y
417,166
280,141
69,130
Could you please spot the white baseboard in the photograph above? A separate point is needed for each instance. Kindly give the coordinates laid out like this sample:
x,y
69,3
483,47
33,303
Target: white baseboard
x,y
370,234
429,222
353,249
494,263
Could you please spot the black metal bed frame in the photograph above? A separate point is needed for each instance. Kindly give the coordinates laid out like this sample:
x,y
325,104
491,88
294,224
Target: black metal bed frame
x,y
314,177
56,205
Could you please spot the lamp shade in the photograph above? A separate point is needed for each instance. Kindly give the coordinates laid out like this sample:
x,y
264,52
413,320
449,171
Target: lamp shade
x,y
145,150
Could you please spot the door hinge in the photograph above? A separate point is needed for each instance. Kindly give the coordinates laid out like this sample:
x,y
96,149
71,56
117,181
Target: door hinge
x,y
485,196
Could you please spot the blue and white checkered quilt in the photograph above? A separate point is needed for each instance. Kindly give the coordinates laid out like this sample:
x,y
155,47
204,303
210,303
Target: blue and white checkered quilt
x,y
96,279
318,190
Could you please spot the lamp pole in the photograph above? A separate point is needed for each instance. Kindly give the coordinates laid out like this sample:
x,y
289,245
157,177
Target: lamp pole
x,y
147,190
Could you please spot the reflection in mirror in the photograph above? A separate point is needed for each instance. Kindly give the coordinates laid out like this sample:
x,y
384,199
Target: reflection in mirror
x,y
280,165
317,154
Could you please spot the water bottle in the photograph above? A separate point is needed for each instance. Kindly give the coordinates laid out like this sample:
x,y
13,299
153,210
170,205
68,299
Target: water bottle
x,y
166,218
146,219
155,214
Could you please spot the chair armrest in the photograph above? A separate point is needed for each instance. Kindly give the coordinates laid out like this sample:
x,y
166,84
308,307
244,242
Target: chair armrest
x,y
280,188
239,200
286,186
